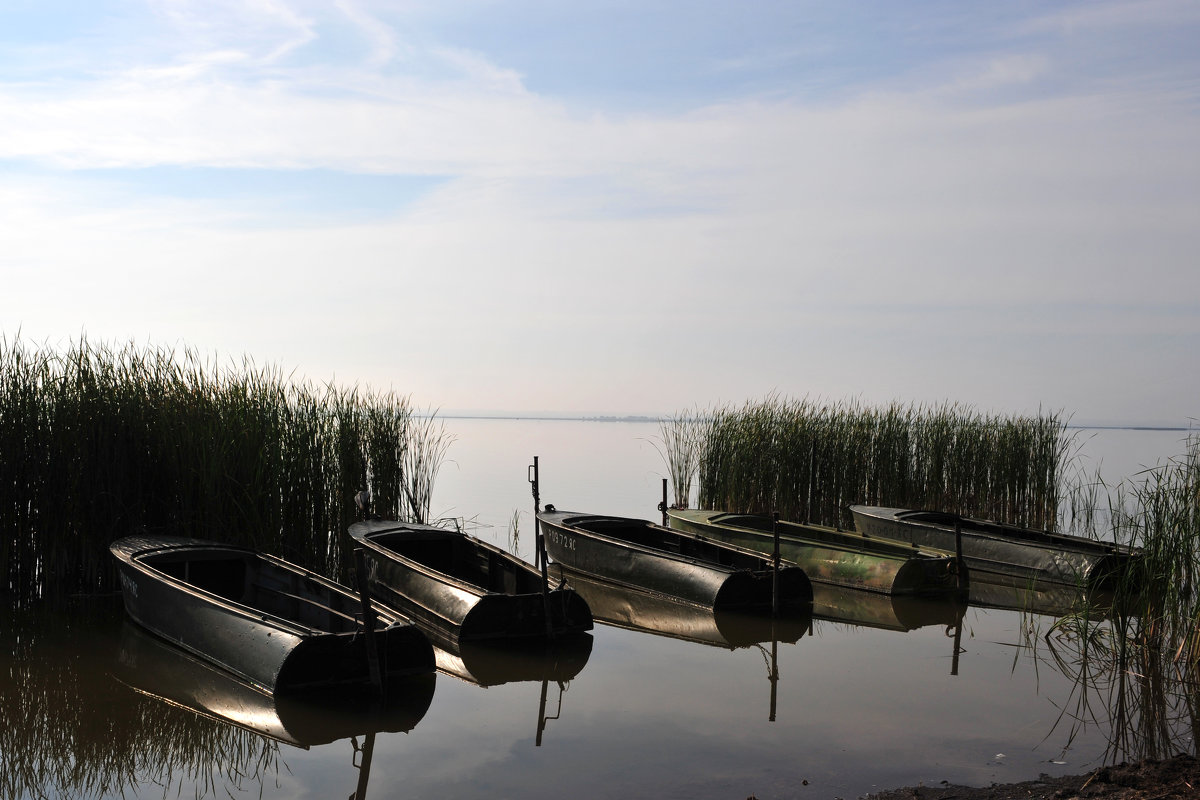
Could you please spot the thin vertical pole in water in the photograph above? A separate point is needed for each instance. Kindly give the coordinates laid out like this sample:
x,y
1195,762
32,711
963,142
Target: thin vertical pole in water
x,y
537,507
962,570
539,546
812,460
958,551
541,714
663,505
957,648
368,615
364,767
775,567
774,668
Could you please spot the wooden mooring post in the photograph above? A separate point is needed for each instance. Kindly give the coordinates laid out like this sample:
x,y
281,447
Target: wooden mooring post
x,y
775,565
368,617
539,546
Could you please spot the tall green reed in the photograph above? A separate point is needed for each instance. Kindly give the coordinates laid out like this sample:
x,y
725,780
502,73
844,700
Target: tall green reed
x,y
1141,666
809,460
1159,513
680,437
100,442
425,448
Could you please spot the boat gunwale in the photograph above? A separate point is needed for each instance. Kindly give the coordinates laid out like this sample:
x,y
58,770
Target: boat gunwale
x,y
912,550
659,553
901,574
134,560
475,589
997,531
634,587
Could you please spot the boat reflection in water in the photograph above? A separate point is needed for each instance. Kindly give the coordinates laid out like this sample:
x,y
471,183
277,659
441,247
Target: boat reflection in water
x,y
487,664
622,607
157,669
894,613
1041,597
884,612
891,612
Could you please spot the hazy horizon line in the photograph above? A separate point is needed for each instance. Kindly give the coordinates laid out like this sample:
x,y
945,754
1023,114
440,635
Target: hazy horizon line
x,y
553,416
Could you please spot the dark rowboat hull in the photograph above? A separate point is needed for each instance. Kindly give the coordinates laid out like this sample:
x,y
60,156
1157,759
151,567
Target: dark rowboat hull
x,y
829,556
457,586
273,624
639,554
1026,554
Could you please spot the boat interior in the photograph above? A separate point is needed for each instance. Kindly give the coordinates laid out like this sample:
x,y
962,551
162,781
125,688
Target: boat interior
x,y
657,537
250,580
765,525
451,553
1005,531
817,533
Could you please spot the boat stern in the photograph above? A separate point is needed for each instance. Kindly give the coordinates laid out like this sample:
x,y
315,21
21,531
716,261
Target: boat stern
x,y
747,590
927,577
523,616
341,658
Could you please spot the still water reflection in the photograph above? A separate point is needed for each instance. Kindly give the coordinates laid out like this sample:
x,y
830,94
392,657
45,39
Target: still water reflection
x,y
866,693
151,667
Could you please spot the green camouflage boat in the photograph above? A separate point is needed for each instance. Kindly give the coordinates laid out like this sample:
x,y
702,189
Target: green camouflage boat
x,y
831,556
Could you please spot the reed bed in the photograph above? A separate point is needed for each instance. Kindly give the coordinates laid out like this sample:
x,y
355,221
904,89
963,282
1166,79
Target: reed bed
x,y
810,460
100,442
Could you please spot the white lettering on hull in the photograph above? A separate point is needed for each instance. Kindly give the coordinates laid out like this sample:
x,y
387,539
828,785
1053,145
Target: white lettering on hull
x,y
560,539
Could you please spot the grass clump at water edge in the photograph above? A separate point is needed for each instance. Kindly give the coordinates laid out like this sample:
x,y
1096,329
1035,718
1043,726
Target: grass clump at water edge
x,y
101,442
809,460
1136,665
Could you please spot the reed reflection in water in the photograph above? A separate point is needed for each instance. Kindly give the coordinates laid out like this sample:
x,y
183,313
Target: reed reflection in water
x,y
67,729
94,706
1141,696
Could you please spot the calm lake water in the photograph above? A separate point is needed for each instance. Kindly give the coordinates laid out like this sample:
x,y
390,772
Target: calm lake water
x,y
870,695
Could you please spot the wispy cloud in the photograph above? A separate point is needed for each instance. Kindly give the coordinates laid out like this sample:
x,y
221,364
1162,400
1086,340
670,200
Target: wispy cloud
x,y
265,30
992,195
385,45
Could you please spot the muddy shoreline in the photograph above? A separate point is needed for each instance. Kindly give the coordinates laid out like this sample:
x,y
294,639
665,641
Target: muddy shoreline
x,y
1173,779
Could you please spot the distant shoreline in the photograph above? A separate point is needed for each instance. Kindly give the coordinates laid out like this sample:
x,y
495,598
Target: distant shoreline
x,y
1130,428
548,418
641,418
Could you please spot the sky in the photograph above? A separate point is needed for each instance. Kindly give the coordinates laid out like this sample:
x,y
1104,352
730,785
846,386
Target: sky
x,y
619,207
